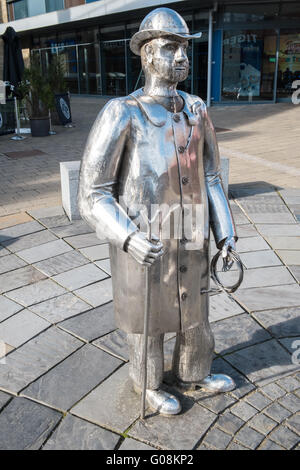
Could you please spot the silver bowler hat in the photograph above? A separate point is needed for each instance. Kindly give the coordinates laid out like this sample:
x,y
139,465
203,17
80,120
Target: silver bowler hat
x,y
159,23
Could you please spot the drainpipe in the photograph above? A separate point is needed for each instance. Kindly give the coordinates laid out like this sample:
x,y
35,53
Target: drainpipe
x,y
209,58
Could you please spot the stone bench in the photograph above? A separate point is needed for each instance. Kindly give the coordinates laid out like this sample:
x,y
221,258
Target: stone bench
x,y
69,176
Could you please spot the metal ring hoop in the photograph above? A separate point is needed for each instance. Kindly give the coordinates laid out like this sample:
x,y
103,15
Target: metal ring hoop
x,y
214,275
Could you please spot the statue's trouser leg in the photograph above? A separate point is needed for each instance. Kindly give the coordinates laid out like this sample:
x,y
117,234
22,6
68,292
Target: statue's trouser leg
x,y
155,362
193,353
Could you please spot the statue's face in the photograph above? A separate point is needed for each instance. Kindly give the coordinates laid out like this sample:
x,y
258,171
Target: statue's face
x,y
168,59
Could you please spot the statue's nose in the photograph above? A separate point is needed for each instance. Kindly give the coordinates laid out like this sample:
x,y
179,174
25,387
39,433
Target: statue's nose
x,y
180,55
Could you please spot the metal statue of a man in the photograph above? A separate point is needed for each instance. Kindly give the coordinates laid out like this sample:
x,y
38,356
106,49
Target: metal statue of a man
x,y
157,148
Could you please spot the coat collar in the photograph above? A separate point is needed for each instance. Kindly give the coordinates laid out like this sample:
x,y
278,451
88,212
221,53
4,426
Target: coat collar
x,y
157,114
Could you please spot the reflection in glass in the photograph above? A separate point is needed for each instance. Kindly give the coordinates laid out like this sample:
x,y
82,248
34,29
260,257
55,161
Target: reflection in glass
x,y
113,67
200,65
288,63
69,59
88,63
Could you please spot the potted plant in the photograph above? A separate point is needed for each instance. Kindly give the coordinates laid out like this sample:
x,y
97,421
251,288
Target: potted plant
x,y
36,90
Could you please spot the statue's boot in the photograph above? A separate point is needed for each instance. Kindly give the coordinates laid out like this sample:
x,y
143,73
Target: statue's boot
x,y
218,383
161,401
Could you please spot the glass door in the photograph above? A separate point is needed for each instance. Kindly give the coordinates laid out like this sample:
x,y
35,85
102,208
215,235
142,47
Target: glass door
x,y
288,64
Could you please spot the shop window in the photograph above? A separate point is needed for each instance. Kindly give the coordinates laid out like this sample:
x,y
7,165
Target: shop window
x,y
54,5
250,13
20,9
288,63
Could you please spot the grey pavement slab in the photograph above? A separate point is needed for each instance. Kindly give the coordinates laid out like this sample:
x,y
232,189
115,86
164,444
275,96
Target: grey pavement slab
x,y
248,437
44,251
36,293
216,403
243,386
279,230
251,244
258,400
96,294
283,217
19,277
21,327
172,433
92,324
270,445
105,266
243,410
8,308
236,333
217,439
4,398
25,425
133,444
230,423
84,240
284,243
260,277
97,252
277,412
43,212
78,227
60,308
234,446
273,391
19,230
76,434
29,241
280,322
55,221
239,216
262,424
113,404
3,251
294,423
245,231
10,262
262,363
291,402
260,259
290,384
61,263
292,345
295,270
290,257
266,298
69,381
221,306
114,343
34,358
80,276
284,437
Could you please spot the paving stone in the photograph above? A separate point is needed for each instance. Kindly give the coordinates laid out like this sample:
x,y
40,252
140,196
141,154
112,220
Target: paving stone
x,y
4,398
291,402
76,434
113,404
235,446
34,358
78,227
294,423
258,400
237,332
292,345
10,262
290,257
290,384
277,412
221,306
295,270
24,425
96,294
217,439
69,381
270,445
265,298
92,324
21,327
216,403
230,423
243,410
29,241
84,240
36,293
44,251
19,277
273,391
60,308
43,212
260,277
55,221
8,308
284,243
97,252
104,265
248,230
262,424
14,219
114,343
248,437
252,244
61,263
279,230
280,322
80,277
3,251
19,230
285,437
133,444
260,259
262,363
243,386
273,218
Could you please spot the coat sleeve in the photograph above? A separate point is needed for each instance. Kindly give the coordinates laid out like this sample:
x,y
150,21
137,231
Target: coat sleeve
x,y
99,174
221,219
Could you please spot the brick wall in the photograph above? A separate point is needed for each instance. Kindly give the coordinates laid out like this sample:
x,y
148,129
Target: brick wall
x,y
73,3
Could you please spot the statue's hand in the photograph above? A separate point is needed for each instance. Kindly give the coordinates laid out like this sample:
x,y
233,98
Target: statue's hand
x,y
227,259
144,251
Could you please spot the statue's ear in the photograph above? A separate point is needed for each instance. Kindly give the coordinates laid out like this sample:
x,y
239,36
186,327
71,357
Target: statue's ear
x,y
149,53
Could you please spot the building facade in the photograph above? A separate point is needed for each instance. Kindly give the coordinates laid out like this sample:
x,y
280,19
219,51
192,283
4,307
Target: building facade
x,y
249,51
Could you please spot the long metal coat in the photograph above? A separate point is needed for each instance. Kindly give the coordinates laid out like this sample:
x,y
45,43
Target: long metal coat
x,y
139,153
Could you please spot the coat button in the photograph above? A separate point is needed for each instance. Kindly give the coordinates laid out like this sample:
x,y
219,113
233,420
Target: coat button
x,y
185,180
183,269
176,117
181,149
183,240
184,296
